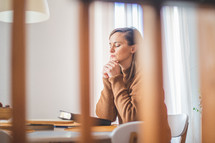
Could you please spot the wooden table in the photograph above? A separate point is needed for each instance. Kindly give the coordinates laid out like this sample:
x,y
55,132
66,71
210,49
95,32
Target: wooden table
x,y
101,134
61,131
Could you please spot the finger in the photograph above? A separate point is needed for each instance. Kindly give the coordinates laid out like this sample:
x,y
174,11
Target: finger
x,y
104,68
107,70
114,62
108,67
105,75
111,64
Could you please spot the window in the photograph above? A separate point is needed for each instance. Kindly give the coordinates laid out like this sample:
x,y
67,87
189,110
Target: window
x,y
128,15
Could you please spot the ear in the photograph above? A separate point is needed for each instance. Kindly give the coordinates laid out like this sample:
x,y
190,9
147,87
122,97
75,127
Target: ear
x,y
133,49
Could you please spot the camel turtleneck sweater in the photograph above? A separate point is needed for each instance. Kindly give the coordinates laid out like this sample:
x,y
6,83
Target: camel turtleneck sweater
x,y
120,98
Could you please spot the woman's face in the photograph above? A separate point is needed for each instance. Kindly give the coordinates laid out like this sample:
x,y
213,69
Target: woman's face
x,y
119,49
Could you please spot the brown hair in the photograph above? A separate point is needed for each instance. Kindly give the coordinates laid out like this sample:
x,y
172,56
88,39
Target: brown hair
x,y
132,36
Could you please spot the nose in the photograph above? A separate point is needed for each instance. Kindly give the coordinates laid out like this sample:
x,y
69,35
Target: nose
x,y
112,49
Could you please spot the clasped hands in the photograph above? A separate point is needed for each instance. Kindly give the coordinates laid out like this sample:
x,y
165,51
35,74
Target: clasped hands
x,y
111,69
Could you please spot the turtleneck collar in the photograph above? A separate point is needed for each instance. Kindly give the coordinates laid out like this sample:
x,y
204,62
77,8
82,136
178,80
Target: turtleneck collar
x,y
126,72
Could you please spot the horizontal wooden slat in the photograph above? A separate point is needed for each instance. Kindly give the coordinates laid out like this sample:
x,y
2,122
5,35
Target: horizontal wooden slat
x,y
160,1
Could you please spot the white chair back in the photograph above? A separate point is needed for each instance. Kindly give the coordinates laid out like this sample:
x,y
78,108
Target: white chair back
x,y
5,137
126,133
178,125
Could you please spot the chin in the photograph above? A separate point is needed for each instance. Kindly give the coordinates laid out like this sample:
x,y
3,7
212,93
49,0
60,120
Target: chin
x,y
113,59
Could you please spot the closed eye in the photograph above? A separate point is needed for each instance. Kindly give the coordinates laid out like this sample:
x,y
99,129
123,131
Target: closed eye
x,y
117,44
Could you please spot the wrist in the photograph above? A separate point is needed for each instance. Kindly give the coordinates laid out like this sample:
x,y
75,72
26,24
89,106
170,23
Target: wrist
x,y
115,76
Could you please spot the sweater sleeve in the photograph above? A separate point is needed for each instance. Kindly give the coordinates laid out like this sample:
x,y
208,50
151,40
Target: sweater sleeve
x,y
105,107
126,100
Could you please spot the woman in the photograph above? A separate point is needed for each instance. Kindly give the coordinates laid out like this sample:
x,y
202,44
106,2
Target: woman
x,y
121,80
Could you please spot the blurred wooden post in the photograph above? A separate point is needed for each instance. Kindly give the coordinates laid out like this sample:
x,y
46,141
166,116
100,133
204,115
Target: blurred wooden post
x,y
206,17
151,68
85,71
18,72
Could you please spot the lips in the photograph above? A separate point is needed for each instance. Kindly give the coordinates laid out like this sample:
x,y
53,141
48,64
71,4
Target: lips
x,y
112,57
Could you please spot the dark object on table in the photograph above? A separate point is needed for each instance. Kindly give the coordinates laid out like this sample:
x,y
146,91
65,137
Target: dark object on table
x,y
76,117
40,127
7,106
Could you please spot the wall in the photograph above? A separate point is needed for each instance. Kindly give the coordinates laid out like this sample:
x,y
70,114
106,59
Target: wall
x,y
52,62
5,62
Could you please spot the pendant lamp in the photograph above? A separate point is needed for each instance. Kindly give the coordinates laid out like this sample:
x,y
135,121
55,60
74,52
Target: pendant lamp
x,y
36,11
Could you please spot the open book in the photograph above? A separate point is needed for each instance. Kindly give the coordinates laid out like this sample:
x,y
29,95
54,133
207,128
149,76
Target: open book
x,y
76,117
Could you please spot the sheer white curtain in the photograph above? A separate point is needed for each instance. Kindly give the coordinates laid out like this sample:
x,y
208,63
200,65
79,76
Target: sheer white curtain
x,y
128,15
101,24
181,66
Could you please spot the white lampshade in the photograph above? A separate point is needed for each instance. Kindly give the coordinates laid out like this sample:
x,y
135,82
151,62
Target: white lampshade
x,y
36,11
